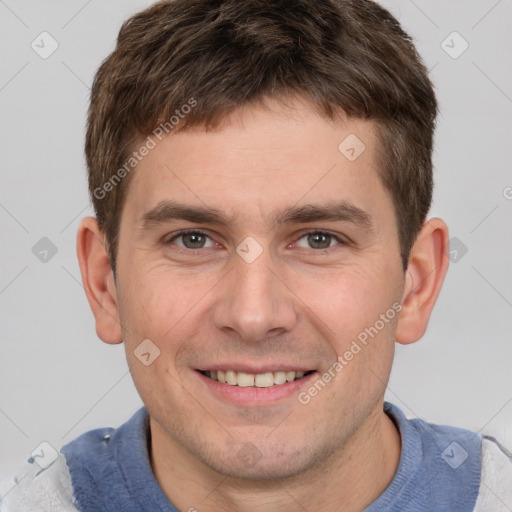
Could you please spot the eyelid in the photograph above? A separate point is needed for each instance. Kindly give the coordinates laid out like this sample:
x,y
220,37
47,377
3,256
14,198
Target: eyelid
x,y
167,240
341,239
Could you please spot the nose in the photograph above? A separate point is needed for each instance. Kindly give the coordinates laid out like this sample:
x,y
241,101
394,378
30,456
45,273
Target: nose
x,y
254,301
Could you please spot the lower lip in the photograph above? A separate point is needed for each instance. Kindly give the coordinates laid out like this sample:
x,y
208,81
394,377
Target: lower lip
x,y
252,396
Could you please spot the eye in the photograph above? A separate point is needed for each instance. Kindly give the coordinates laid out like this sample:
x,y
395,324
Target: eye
x,y
195,240
191,239
320,240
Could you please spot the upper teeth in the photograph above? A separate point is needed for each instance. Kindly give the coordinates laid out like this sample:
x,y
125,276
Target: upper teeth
x,y
260,380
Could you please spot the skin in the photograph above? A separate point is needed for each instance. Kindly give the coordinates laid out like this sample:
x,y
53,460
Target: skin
x,y
299,302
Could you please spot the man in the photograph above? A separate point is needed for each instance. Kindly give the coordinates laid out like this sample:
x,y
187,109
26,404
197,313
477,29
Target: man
x,y
261,176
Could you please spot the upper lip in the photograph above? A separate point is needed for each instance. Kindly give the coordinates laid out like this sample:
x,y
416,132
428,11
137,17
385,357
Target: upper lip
x,y
255,370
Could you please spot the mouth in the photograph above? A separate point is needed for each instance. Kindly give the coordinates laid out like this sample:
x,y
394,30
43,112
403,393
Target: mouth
x,y
251,380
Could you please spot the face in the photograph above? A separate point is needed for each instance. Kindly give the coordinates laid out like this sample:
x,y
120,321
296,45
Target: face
x,y
260,249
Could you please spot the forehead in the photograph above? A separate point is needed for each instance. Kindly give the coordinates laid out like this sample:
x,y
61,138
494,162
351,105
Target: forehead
x,y
261,161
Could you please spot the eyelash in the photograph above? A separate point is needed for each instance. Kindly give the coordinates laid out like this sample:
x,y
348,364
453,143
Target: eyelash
x,y
199,232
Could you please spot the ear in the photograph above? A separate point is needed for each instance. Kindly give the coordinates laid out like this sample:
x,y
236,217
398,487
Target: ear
x,y
98,280
425,274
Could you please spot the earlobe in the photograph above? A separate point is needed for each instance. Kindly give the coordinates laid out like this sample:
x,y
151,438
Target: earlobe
x,y
425,274
98,280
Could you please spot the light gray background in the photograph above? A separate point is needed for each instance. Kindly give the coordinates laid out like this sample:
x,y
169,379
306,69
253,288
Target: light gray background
x,y
58,380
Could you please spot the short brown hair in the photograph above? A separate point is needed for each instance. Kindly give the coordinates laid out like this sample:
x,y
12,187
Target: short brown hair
x,y
348,55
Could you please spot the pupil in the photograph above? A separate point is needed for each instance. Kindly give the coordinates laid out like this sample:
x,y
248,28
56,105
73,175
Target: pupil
x,y
317,239
195,240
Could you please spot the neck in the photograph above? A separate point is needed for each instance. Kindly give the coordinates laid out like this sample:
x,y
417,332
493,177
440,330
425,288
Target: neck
x,y
350,478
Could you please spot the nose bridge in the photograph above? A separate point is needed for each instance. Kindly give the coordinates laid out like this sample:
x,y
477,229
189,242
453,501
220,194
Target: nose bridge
x,y
254,302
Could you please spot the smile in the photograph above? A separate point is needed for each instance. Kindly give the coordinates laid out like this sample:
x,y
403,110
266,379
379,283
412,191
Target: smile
x,y
260,380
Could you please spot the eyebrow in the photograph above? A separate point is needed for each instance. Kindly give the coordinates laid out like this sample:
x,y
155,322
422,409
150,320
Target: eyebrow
x,y
167,211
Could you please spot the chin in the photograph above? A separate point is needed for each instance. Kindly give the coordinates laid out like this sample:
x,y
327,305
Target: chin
x,y
262,460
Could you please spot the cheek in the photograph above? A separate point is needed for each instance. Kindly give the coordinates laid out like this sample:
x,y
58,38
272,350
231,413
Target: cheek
x,y
167,306
358,311
154,299
157,308
348,300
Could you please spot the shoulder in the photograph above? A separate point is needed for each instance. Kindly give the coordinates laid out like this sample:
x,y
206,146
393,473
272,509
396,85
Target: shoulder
x,y
86,469
439,467
496,481
41,490
439,447
96,454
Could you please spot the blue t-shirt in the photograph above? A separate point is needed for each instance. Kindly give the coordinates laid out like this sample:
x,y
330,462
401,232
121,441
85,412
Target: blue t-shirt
x,y
439,469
